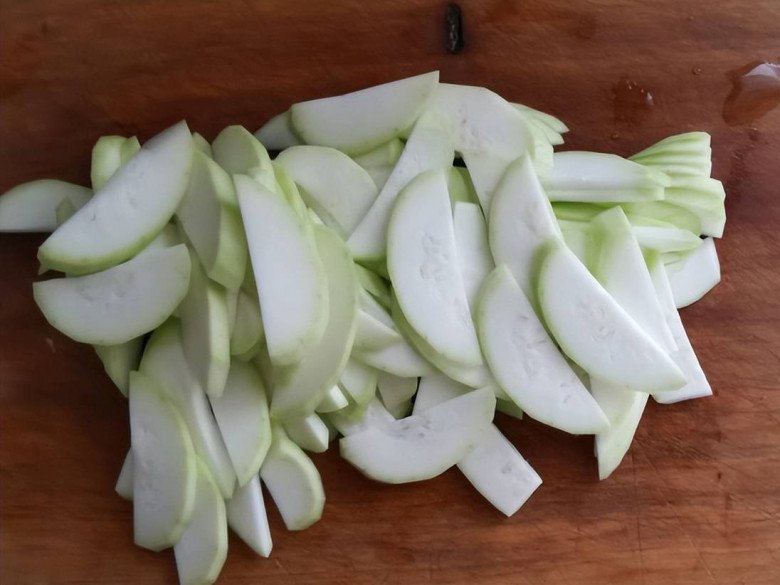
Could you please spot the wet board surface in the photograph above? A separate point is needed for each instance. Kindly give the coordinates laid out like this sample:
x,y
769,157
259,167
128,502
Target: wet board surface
x,y
696,501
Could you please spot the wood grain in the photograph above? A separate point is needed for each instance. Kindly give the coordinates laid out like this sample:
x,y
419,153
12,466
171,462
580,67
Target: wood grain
x,y
697,500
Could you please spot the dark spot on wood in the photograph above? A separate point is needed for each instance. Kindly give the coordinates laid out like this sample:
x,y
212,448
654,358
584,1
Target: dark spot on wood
x,y
453,28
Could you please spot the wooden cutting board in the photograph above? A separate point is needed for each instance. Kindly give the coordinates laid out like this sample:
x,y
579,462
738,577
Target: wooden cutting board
x,y
697,500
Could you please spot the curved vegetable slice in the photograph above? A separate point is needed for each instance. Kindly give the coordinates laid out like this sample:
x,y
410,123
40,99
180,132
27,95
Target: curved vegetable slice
x,y
202,549
521,221
124,216
423,445
429,147
248,324
598,177
108,154
210,218
424,270
362,120
352,421
472,247
553,123
473,376
164,467
623,407
246,516
494,467
372,334
394,390
334,399
299,392
619,266
120,360
205,330
291,282
703,197
696,275
460,186
242,415
309,433
164,363
684,356
338,189
400,359
32,207
277,133
527,364
294,482
386,154
359,381
543,123
679,155
124,483
594,331
202,145
120,303
487,131
666,239
240,153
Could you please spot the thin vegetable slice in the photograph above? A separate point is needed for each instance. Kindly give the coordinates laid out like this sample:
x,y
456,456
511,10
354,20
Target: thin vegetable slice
x,y
120,303
164,467
124,216
362,120
423,445
594,331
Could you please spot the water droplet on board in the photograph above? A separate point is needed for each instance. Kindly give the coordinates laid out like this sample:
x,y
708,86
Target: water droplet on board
x,y
696,70
631,101
755,92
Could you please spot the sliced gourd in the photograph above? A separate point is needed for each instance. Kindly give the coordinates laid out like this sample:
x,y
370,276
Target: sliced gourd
x,y
595,332
126,214
164,363
362,120
293,481
697,385
602,178
494,467
32,207
299,392
164,467
120,360
206,330
291,282
359,381
521,221
246,516
694,276
308,432
124,483
242,415
334,399
209,217
526,362
202,549
118,304
429,147
238,152
338,189
424,269
423,445
472,248
277,133
619,266
108,154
